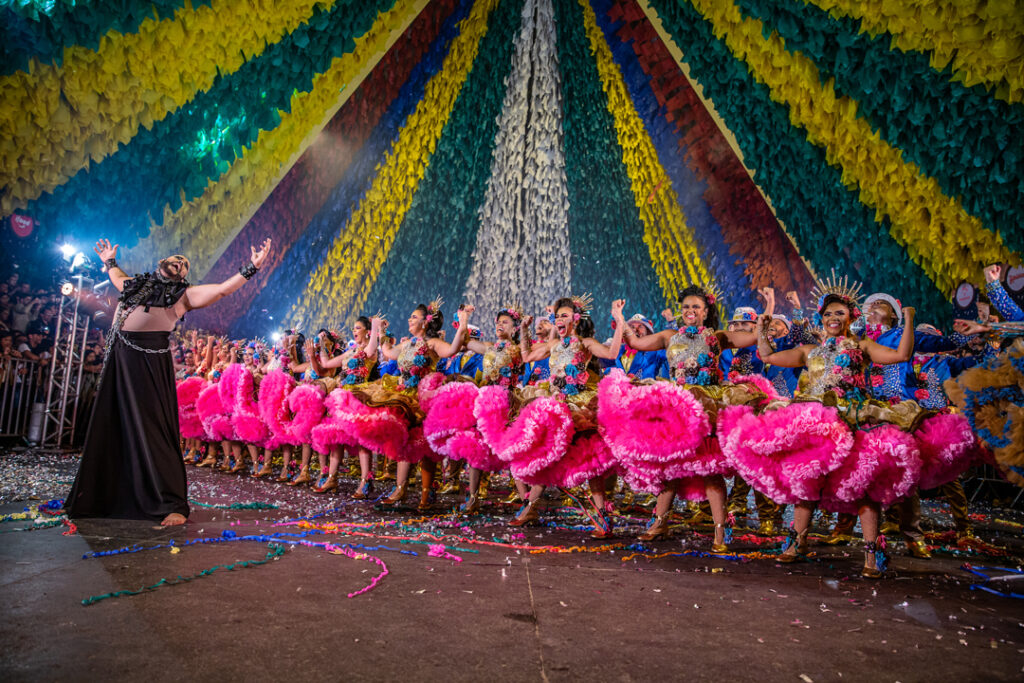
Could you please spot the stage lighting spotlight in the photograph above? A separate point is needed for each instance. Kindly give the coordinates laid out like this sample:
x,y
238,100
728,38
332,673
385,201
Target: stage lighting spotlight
x,y
67,250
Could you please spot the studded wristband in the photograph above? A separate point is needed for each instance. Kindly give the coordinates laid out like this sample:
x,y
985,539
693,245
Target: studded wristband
x,y
110,263
248,270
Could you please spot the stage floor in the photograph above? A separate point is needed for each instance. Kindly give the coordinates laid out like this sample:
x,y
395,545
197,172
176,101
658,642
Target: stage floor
x,y
502,613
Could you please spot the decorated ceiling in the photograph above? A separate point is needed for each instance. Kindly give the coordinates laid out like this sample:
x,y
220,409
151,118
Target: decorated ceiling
x,y
500,151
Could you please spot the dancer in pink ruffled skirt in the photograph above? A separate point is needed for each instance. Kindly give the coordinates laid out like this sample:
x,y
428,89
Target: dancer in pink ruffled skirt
x,y
663,434
832,444
547,434
355,368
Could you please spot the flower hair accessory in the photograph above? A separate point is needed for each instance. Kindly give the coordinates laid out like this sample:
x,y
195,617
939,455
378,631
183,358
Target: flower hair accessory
x,y
433,308
846,291
712,293
514,311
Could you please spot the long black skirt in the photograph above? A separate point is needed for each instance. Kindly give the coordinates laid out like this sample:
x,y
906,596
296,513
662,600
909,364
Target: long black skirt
x,y
131,461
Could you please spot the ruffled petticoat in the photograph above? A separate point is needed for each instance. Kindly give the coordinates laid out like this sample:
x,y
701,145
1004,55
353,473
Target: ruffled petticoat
x,y
245,418
216,419
276,387
190,424
660,432
840,453
543,437
377,416
450,426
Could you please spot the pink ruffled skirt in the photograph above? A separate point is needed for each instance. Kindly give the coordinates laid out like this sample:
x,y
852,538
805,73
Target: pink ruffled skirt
x,y
548,442
660,432
189,423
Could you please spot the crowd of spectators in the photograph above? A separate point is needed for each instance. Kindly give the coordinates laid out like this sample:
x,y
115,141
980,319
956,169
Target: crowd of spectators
x,y
29,308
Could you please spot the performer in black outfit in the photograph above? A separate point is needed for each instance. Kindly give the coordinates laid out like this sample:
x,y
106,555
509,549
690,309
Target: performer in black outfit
x,y
131,461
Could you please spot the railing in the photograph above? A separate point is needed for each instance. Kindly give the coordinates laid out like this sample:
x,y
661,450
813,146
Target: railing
x,y
21,398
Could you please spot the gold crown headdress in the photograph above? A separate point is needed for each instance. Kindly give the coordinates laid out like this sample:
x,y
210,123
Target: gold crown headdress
x,y
848,291
583,302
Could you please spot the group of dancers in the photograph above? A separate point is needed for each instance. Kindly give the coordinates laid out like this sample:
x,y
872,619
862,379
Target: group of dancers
x,y
806,411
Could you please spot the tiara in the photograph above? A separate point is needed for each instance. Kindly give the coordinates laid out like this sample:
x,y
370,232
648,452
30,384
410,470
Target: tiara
x,y
845,289
435,305
583,302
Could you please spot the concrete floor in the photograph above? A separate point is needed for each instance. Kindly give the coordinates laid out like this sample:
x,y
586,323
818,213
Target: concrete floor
x,y
499,615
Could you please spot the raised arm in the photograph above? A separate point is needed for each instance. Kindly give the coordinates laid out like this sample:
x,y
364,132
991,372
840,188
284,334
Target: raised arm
x,y
108,254
769,299
202,296
790,358
445,349
314,358
883,355
610,352
524,336
388,348
374,340
208,357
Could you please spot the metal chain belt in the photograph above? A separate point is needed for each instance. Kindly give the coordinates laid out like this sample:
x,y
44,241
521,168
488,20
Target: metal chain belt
x,y
139,348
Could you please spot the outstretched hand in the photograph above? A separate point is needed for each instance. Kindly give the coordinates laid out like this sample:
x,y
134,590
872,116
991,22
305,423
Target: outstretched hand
x,y
970,327
105,251
258,257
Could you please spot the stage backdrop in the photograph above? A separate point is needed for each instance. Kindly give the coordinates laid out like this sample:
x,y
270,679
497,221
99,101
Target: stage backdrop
x,y
500,151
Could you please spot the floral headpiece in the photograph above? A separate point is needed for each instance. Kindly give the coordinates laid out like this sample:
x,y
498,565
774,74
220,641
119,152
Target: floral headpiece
x,y
433,308
843,290
514,311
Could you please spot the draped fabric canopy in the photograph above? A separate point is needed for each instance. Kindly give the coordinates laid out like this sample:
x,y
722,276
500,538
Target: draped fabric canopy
x,y
515,151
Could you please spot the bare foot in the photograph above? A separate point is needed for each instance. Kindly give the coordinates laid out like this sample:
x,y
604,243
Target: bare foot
x,y
173,519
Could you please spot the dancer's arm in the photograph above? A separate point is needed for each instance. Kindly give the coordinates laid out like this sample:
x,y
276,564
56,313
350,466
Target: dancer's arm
x,y
790,358
883,355
108,254
652,342
610,352
202,296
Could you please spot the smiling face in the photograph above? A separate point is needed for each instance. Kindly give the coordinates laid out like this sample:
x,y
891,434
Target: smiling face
x,y
565,321
693,311
835,319
175,267
416,321
543,328
504,327
777,329
639,329
881,313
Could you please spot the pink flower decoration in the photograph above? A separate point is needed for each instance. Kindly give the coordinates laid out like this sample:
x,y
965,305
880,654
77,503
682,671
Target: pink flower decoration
x,y
921,394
